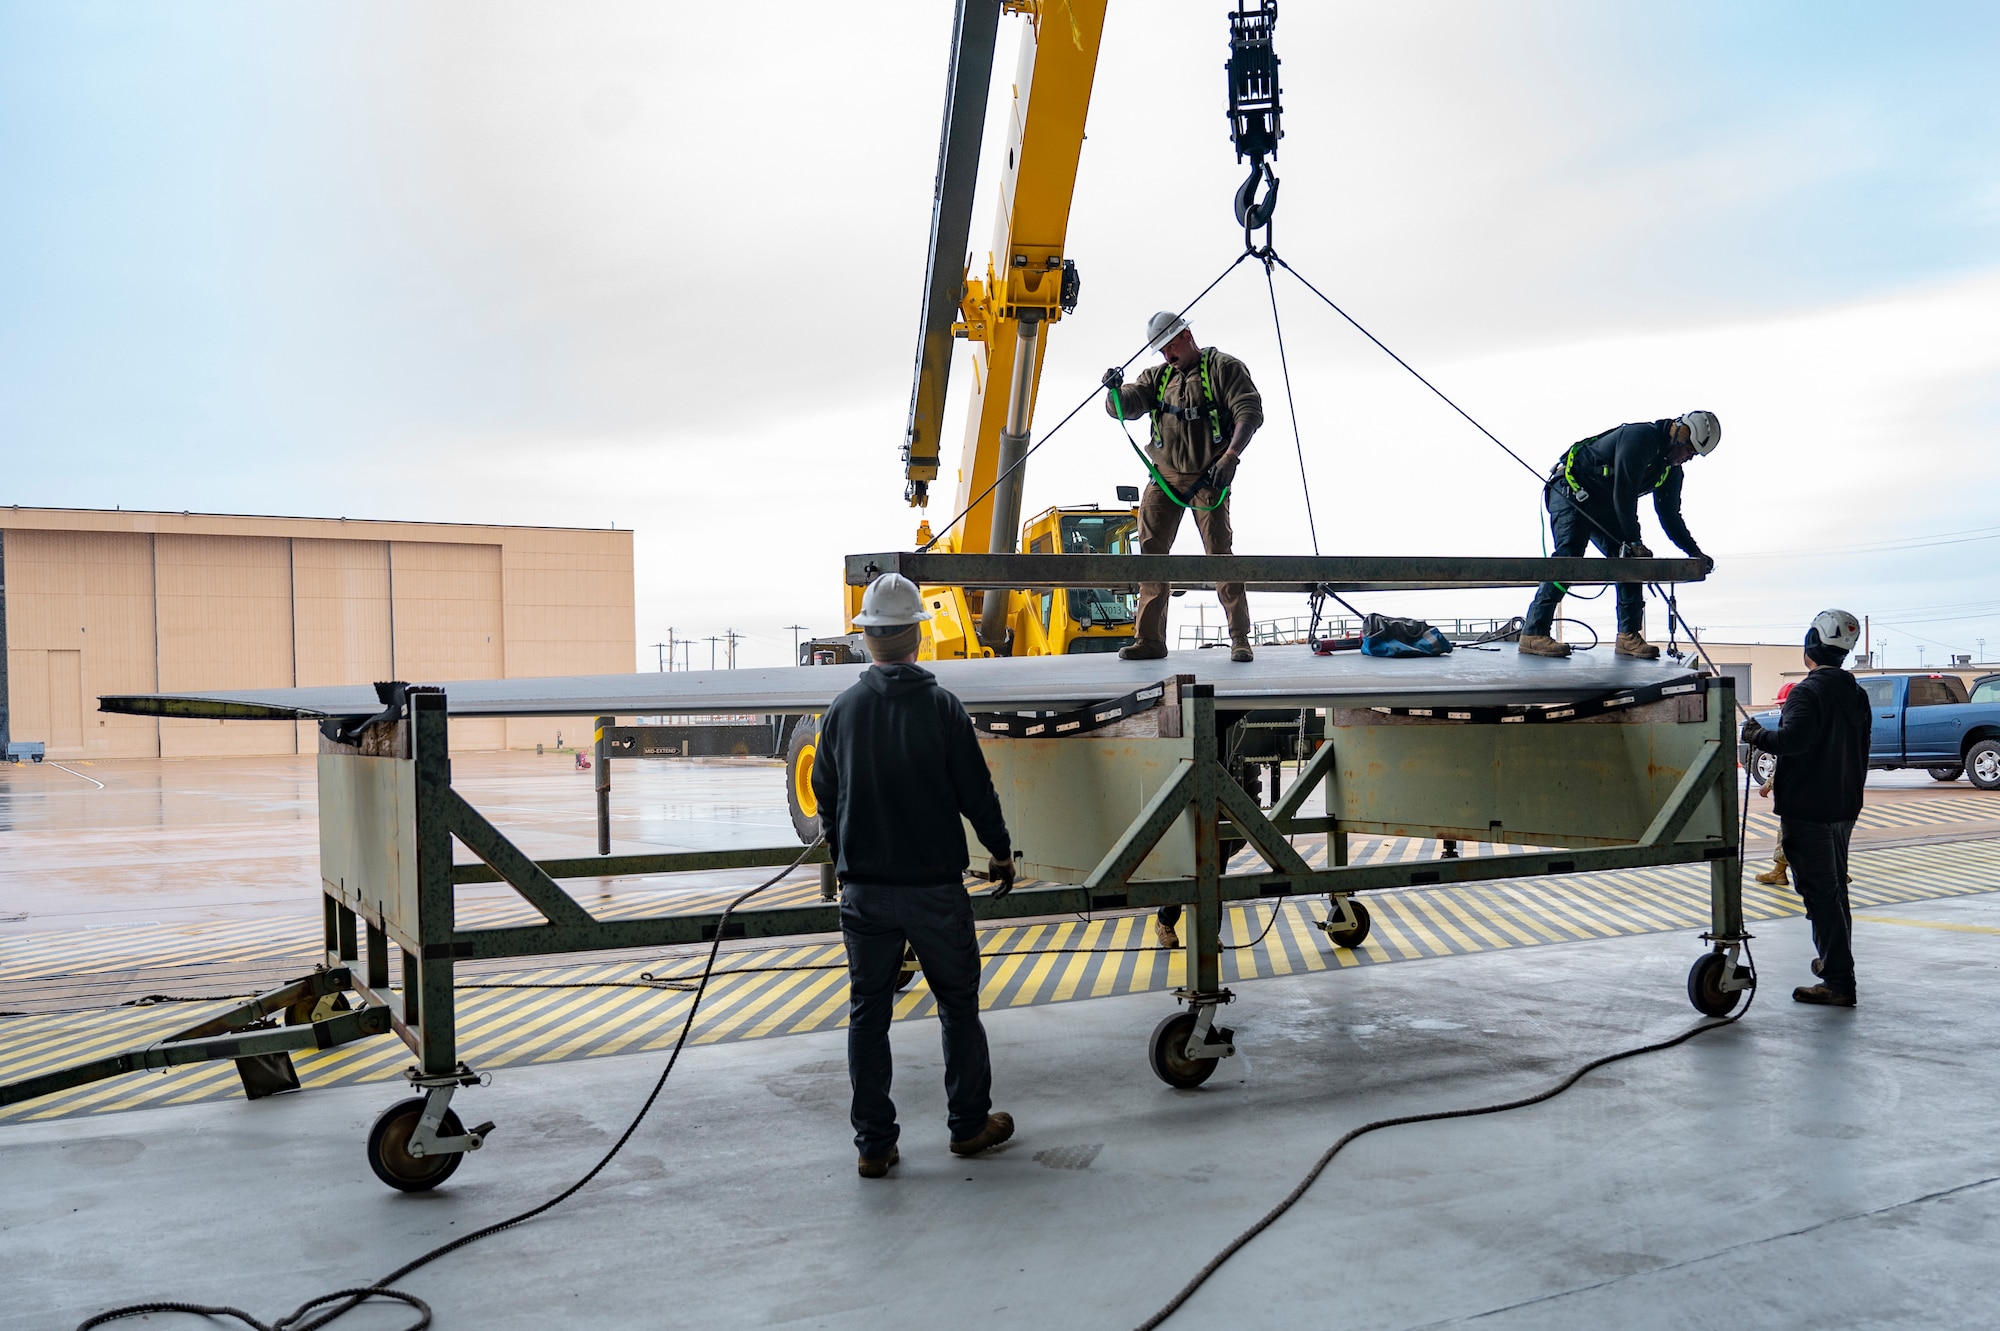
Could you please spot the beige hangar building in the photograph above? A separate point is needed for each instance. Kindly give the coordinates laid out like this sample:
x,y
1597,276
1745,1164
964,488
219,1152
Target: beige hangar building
x,y
95,602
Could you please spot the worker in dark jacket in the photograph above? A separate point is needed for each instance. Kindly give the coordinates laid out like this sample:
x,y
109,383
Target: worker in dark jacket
x,y
1593,499
1821,741
1204,408
898,762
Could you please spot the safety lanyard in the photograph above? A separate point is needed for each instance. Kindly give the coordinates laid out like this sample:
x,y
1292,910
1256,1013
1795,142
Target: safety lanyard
x,y
1118,405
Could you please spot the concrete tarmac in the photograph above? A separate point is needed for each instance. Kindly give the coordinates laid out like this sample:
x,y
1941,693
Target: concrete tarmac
x,y
1804,1168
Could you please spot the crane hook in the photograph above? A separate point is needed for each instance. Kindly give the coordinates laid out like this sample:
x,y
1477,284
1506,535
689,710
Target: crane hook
x,y
1252,212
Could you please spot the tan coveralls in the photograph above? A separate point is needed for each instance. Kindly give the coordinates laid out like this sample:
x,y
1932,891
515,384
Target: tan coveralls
x,y
1182,451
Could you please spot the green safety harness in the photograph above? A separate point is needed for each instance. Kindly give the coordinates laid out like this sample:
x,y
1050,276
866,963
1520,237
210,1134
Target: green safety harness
x,y
1209,407
1565,471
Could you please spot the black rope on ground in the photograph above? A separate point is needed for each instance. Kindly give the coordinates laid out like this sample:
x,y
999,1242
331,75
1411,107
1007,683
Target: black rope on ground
x,y
296,1320
1070,416
1272,1216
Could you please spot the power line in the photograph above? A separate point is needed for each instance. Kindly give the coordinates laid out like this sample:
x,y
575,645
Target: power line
x,y
1882,547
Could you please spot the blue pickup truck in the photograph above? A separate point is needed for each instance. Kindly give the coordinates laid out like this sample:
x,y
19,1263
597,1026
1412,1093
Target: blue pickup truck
x,y
1928,721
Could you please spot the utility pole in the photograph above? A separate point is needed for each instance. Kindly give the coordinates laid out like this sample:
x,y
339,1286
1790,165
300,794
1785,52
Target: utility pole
x,y
730,637
801,628
712,640
660,654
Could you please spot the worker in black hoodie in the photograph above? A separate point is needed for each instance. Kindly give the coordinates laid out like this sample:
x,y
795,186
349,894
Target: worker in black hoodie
x,y
1821,741
898,763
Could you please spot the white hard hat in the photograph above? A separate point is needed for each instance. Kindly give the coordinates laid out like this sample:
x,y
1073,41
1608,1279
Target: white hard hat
x,y
1704,431
891,600
1834,628
1163,328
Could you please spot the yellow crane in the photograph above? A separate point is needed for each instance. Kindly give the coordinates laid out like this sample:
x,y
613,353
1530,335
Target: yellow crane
x,y
1005,315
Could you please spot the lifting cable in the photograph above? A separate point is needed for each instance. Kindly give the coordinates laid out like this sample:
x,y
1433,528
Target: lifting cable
x,y
1667,595
297,1319
1291,406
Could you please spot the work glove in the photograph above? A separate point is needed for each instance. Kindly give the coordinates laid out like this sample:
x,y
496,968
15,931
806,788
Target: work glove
x,y
1225,470
1001,873
1114,378
1634,550
1707,564
1753,732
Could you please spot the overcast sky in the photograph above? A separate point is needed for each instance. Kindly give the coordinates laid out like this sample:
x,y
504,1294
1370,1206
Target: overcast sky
x,y
658,265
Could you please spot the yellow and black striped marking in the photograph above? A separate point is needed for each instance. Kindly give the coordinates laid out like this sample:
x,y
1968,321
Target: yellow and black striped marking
x,y
552,1013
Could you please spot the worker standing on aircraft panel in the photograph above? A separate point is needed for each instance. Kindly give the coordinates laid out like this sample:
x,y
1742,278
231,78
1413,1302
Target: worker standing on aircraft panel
x,y
1593,499
1204,409
1821,741
898,763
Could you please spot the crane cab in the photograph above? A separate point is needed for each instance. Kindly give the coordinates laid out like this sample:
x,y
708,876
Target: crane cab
x,y
1046,621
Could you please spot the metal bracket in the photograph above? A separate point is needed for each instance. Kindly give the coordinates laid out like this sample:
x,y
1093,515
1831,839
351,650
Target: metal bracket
x,y
1207,1040
424,1140
1342,916
1737,977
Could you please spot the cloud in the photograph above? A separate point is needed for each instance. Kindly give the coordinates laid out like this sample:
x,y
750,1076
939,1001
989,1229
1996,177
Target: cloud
x,y
592,263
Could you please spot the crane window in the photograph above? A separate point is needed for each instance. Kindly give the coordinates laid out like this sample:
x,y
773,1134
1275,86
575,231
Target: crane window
x,y
1100,534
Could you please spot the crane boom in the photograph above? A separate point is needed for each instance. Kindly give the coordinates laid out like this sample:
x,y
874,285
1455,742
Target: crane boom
x,y
1027,280
969,75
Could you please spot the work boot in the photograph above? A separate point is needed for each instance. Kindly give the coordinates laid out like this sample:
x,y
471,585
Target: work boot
x,y
999,1127
877,1168
1165,933
1775,877
1635,644
1142,650
1239,652
1541,644
1822,996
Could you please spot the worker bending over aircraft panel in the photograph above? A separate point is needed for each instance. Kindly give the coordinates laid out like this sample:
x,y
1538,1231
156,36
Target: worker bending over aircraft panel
x,y
1204,408
1592,496
898,763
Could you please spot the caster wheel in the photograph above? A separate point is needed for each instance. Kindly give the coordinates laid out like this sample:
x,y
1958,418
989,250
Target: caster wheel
x,y
909,969
1168,1053
1705,989
1354,936
389,1148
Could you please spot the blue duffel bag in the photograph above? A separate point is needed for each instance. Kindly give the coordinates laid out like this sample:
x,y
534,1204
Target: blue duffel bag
x,y
1386,635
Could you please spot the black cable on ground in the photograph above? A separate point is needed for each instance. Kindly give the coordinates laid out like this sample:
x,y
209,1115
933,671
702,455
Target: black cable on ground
x,y
1071,415
1291,1198
1272,1216
297,1320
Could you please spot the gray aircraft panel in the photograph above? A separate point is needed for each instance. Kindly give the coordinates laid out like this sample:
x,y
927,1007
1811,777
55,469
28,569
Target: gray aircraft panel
x,y
1279,677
